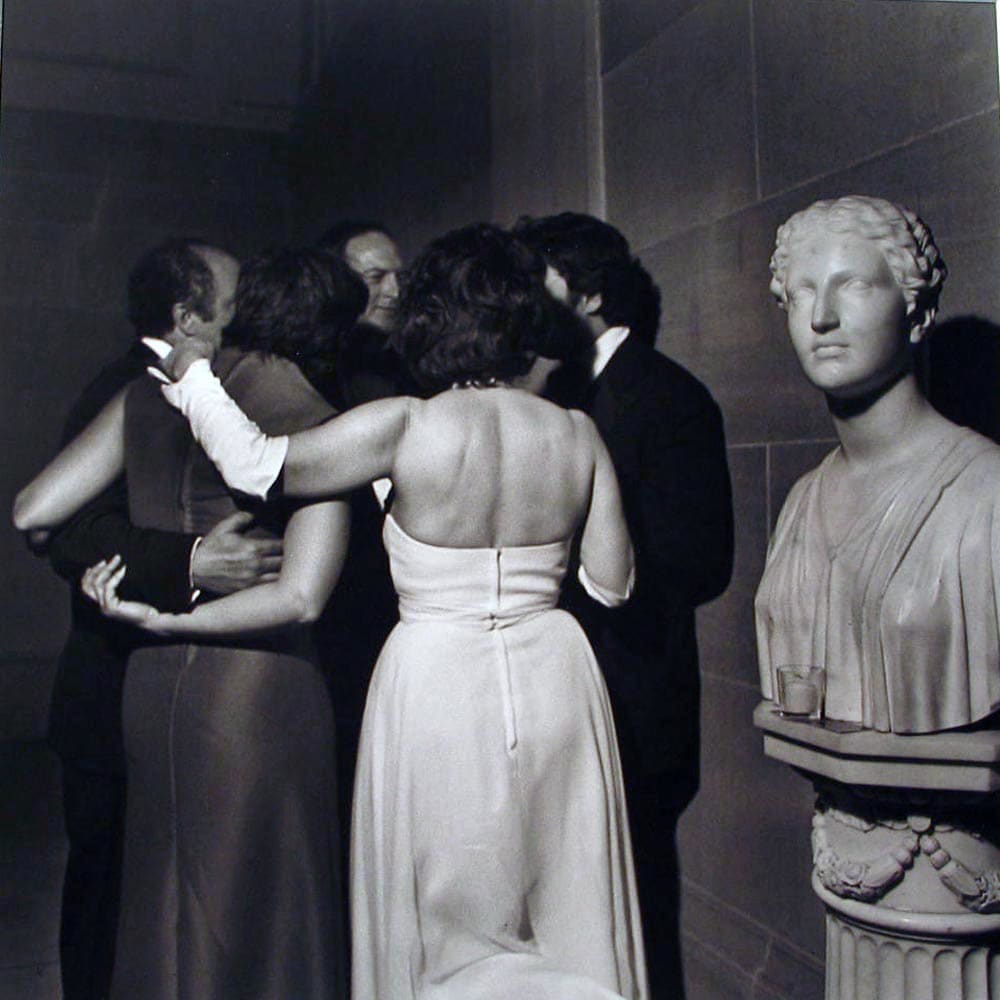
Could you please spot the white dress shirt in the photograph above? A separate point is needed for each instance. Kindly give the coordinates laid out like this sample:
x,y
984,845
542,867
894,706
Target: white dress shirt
x,y
606,345
604,348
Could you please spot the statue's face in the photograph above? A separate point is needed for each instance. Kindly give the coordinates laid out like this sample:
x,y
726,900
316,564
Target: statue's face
x,y
846,313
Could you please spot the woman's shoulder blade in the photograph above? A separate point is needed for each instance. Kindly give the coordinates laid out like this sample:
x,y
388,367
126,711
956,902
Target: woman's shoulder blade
x,y
512,420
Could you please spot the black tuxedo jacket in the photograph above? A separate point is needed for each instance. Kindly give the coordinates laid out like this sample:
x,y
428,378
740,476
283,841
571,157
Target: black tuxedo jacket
x,y
85,713
665,436
363,609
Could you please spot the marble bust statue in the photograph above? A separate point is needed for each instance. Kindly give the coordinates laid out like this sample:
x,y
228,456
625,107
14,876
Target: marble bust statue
x,y
884,567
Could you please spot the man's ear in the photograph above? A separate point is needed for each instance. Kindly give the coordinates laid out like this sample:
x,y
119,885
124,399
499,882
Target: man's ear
x,y
184,318
590,305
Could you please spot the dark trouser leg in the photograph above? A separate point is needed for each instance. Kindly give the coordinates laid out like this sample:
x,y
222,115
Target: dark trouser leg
x,y
655,804
348,737
94,811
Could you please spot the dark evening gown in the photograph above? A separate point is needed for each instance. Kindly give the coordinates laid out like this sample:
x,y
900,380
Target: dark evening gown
x,y
231,885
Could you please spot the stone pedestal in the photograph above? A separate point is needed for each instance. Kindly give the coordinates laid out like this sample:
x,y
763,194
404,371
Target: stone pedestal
x,y
906,856
869,957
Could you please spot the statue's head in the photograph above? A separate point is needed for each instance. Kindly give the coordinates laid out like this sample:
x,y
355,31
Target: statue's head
x,y
904,240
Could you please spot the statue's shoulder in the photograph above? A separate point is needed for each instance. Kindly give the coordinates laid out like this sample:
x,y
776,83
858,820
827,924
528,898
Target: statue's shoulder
x,y
795,514
977,465
809,480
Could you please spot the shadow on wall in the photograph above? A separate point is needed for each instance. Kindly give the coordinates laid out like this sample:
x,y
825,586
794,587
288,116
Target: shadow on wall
x,y
963,373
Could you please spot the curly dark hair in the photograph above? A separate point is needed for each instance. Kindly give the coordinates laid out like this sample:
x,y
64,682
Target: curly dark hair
x,y
473,309
595,259
296,303
171,273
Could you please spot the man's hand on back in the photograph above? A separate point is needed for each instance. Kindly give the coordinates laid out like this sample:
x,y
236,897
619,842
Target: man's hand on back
x,y
227,560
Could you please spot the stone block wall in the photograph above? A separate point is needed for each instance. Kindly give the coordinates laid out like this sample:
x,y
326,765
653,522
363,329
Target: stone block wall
x,y
714,121
397,129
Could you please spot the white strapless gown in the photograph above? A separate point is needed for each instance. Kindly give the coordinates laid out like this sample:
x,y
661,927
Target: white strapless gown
x,y
490,849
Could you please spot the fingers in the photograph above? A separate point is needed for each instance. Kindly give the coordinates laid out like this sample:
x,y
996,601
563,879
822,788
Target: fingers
x,y
38,538
270,566
192,349
235,522
99,572
100,582
167,363
267,547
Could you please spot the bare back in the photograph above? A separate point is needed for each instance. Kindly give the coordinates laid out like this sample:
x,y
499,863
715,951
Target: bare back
x,y
492,468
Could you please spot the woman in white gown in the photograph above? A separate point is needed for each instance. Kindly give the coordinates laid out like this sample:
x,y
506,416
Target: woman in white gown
x,y
490,852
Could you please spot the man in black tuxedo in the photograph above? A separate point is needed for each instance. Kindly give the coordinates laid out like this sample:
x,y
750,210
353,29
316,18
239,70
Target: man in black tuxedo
x,y
85,729
367,367
363,609
665,435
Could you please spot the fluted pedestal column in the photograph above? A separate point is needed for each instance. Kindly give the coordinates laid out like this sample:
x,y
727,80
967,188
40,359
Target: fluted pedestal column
x,y
874,954
906,857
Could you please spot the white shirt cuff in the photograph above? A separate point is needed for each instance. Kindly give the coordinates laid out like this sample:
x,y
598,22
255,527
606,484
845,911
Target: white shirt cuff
x,y
195,593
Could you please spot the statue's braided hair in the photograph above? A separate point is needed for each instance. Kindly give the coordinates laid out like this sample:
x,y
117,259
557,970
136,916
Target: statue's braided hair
x,y
905,240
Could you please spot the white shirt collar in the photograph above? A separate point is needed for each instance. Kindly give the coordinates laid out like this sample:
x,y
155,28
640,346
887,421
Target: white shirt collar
x,y
606,345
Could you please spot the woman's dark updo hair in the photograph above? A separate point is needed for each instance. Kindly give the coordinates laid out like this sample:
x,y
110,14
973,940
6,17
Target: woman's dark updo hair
x,y
473,309
297,304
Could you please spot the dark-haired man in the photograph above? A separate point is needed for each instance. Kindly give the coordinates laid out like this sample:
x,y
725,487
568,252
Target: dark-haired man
x,y
367,367
369,250
186,281
361,614
665,435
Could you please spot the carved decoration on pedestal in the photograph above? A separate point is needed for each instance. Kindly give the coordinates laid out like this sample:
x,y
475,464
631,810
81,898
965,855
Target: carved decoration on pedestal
x,y
906,854
869,879
979,893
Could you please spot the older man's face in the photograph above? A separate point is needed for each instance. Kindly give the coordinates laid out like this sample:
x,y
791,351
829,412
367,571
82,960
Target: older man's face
x,y
375,258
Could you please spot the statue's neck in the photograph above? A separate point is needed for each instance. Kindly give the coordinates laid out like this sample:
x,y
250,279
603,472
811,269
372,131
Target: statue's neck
x,y
890,425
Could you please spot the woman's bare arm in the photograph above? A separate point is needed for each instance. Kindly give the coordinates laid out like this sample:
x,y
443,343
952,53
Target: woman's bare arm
x,y
315,545
78,474
606,557
345,452
348,451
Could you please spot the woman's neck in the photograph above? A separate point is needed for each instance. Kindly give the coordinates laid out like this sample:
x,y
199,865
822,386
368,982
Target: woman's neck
x,y
487,382
887,426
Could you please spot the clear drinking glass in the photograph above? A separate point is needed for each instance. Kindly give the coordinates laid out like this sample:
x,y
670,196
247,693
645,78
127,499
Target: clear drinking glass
x,y
801,691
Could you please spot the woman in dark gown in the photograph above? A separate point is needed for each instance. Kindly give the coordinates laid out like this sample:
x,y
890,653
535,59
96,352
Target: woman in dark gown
x,y
231,884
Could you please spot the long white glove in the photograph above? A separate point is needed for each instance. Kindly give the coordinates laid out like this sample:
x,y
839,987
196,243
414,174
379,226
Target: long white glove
x,y
248,459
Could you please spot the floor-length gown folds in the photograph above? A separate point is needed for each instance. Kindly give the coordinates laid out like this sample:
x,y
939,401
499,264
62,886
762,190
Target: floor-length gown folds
x,y
490,851
231,885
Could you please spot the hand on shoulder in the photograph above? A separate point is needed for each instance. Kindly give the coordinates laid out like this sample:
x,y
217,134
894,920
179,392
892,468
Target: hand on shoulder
x,y
185,354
